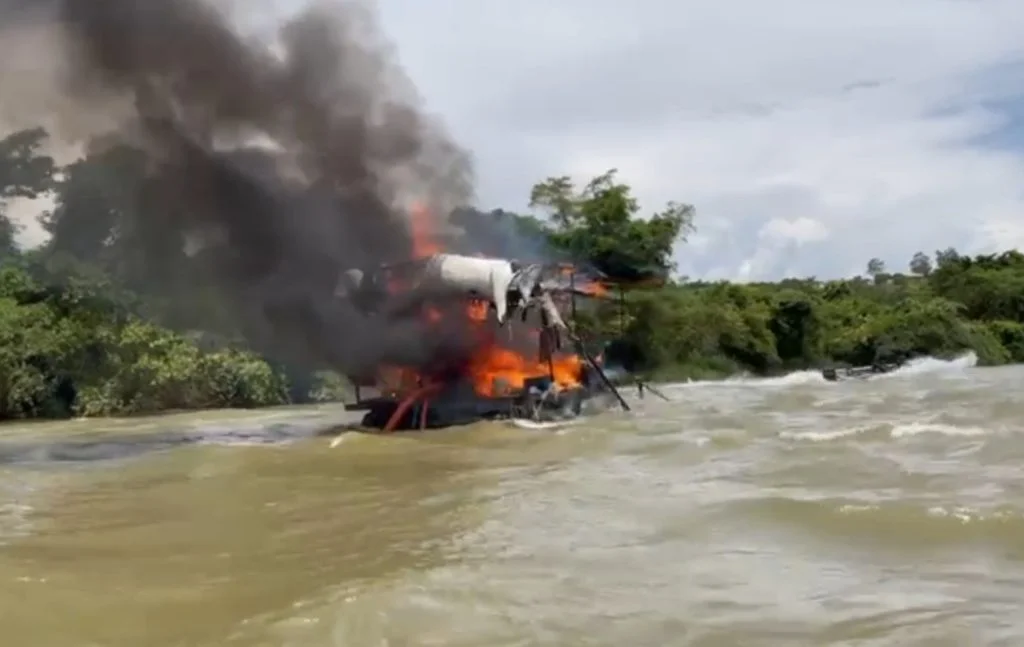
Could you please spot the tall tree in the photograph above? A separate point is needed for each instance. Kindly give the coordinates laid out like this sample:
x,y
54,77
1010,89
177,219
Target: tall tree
x,y
946,256
601,223
25,172
96,198
8,236
921,264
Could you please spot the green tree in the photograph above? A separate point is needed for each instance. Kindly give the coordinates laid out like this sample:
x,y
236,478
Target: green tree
x,y
96,201
876,267
921,264
25,172
946,256
601,223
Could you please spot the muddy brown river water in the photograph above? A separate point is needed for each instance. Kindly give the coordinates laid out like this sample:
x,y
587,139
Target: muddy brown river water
x,y
743,513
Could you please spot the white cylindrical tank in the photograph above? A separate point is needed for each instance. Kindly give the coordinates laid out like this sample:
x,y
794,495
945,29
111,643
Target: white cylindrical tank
x,y
482,278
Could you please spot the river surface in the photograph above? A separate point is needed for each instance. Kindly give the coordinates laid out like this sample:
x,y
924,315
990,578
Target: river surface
x,y
743,513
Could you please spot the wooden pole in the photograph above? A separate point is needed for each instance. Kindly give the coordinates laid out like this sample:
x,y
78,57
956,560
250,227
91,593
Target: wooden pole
x,y
546,345
572,293
600,372
622,310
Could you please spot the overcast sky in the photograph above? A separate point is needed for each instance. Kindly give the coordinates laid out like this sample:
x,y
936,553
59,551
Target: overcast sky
x,y
811,135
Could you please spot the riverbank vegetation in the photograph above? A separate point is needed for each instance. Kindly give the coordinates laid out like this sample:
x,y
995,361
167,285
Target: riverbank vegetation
x,y
943,305
89,327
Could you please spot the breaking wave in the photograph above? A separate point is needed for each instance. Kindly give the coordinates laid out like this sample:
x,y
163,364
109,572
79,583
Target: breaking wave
x,y
887,431
919,366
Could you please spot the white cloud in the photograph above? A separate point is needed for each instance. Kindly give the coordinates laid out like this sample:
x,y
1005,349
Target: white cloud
x,y
811,135
798,230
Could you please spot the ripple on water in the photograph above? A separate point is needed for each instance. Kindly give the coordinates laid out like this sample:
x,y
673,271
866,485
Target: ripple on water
x,y
14,521
779,512
784,512
18,498
892,524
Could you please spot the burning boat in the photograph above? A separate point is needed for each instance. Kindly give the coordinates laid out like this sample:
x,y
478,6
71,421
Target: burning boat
x,y
522,360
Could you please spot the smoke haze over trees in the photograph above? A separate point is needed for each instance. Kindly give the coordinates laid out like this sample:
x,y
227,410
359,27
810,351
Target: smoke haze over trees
x,y
270,165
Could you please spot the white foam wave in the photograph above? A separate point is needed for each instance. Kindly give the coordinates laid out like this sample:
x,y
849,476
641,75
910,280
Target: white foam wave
x,y
916,367
919,428
795,378
791,379
892,430
924,365
824,435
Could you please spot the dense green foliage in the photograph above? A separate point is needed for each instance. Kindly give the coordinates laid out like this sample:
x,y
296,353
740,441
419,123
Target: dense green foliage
x,y
940,308
76,350
89,327
73,346
703,329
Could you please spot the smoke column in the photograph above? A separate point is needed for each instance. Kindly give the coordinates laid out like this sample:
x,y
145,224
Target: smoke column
x,y
282,162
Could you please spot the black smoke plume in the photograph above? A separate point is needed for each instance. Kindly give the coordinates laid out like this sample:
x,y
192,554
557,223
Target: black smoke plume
x,y
290,159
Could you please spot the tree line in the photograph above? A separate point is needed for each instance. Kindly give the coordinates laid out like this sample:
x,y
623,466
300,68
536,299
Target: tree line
x,y
943,305
87,329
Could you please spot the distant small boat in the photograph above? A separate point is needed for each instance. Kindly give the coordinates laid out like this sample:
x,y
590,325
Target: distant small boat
x,y
859,372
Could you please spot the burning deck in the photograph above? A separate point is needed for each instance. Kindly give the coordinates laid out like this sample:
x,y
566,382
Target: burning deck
x,y
458,404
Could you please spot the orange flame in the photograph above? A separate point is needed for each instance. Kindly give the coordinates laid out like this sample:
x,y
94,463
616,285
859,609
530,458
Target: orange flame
x,y
594,289
478,311
499,371
494,370
422,224
589,287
